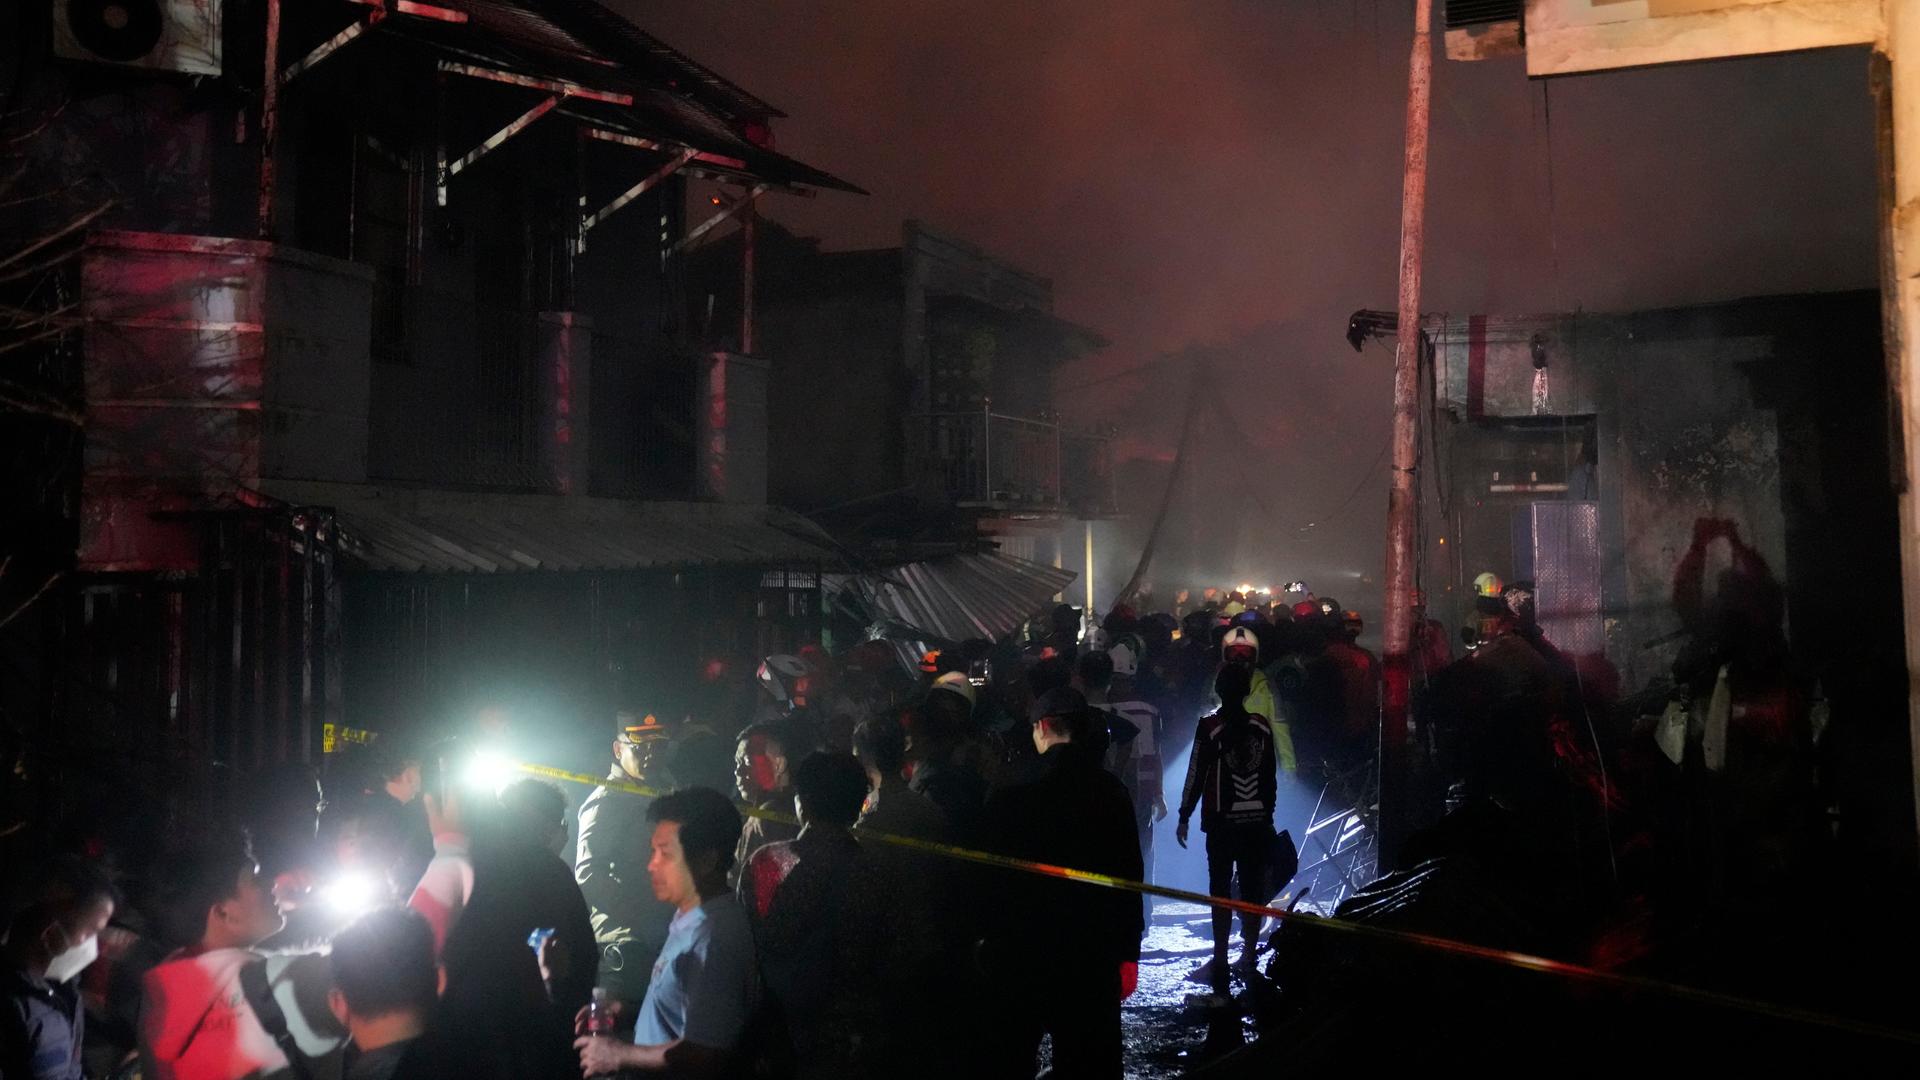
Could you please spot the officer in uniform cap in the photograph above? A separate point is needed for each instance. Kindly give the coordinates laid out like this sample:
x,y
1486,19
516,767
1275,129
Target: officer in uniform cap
x,y
610,863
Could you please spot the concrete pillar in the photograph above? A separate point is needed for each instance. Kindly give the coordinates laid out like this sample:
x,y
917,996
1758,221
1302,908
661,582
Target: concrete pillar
x,y
565,344
1897,71
732,430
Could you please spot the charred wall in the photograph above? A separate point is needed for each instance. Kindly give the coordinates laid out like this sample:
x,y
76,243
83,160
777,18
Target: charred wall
x,y
1766,415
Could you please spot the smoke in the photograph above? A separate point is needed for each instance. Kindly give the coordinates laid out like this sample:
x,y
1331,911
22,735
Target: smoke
x,y
1220,181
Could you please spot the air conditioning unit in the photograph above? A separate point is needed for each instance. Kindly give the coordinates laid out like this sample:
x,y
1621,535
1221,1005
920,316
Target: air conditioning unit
x,y
1484,29
160,35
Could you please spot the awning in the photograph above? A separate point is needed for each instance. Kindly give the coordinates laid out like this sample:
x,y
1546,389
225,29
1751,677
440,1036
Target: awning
x,y
953,598
580,41
405,529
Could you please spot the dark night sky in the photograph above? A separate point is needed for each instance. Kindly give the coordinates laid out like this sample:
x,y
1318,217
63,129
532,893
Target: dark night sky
x,y
1227,173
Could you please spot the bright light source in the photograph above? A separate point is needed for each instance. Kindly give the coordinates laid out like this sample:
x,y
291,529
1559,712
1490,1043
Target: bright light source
x,y
489,771
350,894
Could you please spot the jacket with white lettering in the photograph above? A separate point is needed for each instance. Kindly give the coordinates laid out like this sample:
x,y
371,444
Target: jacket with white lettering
x,y
1233,769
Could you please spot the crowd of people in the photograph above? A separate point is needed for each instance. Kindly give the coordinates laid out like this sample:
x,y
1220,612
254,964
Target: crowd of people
x,y
803,916
407,921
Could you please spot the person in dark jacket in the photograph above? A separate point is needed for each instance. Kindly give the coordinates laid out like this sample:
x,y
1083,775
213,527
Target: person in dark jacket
x,y
534,820
53,930
385,983
486,892
819,912
1065,953
763,776
928,976
946,763
389,816
610,861
1232,775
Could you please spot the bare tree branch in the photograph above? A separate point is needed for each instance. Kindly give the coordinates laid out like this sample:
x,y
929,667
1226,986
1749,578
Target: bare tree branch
x,y
45,118
27,316
40,268
21,343
41,195
37,593
13,177
69,229
56,410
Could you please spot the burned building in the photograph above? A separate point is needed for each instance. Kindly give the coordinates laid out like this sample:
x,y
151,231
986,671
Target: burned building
x,y
390,412
1644,469
913,416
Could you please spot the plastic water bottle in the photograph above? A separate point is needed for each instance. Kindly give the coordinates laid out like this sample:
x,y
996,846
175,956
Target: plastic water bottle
x,y
600,1013
600,1019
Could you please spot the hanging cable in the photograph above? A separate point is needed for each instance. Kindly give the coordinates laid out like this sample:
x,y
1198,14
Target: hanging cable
x,y
1180,456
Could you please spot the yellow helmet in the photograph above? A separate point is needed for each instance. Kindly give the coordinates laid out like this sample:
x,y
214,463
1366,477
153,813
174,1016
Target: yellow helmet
x,y
1488,584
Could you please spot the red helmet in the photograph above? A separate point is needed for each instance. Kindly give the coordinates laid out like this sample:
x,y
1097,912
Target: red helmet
x,y
1305,609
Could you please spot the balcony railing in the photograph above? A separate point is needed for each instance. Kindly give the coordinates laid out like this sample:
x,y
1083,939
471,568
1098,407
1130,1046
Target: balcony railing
x,y
990,460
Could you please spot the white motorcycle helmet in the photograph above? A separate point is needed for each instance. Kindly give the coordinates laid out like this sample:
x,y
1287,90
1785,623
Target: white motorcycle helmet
x,y
1240,637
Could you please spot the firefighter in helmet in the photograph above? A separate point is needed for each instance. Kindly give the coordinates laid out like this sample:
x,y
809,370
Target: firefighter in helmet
x,y
1241,647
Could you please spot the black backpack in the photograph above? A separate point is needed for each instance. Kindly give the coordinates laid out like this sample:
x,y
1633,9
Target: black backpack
x,y
266,1009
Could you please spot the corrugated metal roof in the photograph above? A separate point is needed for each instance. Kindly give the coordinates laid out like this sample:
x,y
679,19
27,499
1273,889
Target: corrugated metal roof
x,y
630,44
675,98
441,532
983,594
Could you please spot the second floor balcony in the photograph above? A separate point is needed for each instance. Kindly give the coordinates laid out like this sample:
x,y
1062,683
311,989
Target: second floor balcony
x,y
1018,465
216,366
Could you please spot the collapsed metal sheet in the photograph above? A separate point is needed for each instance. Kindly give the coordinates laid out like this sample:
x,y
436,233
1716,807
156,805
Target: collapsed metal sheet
x,y
985,594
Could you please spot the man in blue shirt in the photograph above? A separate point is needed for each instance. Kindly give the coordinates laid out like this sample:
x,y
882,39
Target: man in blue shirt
x,y
53,932
704,983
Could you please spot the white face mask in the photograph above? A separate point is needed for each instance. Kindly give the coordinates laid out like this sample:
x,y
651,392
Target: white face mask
x,y
74,959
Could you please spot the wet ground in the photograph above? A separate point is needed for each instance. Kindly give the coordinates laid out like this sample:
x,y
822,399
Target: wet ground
x,y
1164,1036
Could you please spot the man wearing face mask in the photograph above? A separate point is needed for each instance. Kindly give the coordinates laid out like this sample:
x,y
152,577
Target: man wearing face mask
x,y
610,862
53,933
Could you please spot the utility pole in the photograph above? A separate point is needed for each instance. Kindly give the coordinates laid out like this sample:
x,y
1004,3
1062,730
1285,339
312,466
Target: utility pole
x,y
1402,492
269,119
749,233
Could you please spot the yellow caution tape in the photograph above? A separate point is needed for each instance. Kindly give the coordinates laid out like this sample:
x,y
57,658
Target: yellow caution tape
x,y
334,736
1503,957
